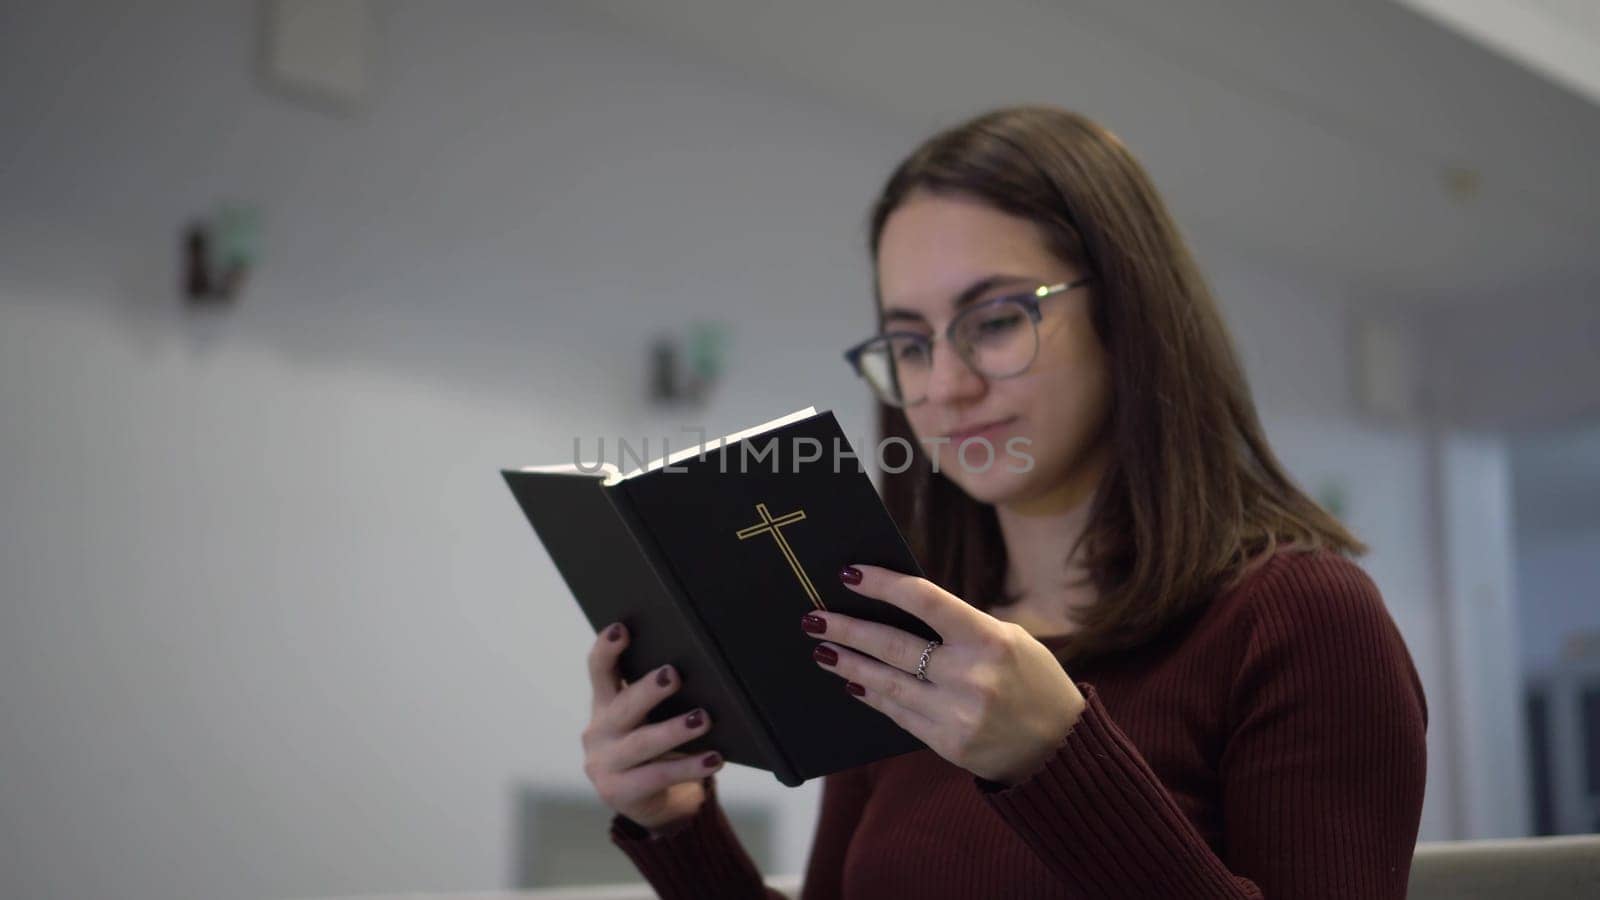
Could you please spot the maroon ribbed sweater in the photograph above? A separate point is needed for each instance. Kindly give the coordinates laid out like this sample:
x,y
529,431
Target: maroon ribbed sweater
x,y
1272,748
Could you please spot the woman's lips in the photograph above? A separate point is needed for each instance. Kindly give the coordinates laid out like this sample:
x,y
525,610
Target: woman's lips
x,y
990,431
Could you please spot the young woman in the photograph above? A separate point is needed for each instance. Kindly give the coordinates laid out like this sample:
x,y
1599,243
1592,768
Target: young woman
x,y
1160,676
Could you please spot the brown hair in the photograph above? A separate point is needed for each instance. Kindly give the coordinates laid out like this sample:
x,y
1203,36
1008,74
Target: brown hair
x,y
1193,497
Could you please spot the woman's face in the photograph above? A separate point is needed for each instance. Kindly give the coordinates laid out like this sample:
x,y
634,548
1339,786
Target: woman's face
x,y
933,250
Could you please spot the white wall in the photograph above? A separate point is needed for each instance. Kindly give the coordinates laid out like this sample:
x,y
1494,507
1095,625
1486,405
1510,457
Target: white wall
x,y
1516,367
1556,480
1479,591
1557,578
269,626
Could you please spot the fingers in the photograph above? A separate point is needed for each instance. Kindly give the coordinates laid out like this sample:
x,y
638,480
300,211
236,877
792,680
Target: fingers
x,y
946,613
894,688
900,649
633,766
650,741
892,702
604,681
628,709
624,789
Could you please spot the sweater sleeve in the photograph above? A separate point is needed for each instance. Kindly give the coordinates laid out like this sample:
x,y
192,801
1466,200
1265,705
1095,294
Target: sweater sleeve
x,y
699,858
1321,773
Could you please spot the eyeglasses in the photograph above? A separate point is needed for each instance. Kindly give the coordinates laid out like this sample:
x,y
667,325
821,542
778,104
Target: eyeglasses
x,y
998,338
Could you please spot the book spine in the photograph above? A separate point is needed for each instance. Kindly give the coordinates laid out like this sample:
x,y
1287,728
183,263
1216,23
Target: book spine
x,y
760,730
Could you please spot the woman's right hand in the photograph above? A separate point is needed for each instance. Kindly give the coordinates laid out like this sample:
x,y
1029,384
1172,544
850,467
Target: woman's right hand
x,y
631,764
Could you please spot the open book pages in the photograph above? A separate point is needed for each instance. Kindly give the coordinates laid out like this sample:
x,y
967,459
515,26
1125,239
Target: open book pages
x,y
613,474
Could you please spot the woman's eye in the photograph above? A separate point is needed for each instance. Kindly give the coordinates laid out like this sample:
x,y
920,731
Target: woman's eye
x,y
910,352
999,323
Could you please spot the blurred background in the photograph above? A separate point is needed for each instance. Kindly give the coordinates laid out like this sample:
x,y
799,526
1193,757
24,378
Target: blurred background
x,y
283,284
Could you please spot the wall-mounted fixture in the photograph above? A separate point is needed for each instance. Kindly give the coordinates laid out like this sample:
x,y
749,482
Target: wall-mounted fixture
x,y
1462,184
685,368
319,51
217,254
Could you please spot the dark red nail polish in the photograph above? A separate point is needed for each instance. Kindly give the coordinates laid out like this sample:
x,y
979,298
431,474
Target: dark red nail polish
x,y
695,719
711,760
850,575
614,633
855,689
813,624
664,676
825,655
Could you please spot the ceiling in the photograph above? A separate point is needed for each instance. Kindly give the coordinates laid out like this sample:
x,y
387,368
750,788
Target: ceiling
x,y
1354,138
1559,39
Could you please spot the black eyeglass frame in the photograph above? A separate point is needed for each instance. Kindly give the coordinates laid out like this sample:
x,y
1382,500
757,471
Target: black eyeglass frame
x,y
1029,300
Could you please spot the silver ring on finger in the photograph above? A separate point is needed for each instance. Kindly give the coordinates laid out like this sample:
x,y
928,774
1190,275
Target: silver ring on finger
x,y
922,664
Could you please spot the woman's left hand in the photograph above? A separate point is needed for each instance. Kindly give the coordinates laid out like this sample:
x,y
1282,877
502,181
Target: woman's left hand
x,y
996,703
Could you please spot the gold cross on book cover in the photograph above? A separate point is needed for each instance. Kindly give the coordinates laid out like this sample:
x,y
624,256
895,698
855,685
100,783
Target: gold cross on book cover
x,y
774,527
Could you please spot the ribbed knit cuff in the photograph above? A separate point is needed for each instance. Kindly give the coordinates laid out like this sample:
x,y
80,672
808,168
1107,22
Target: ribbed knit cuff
x,y
1098,815
700,857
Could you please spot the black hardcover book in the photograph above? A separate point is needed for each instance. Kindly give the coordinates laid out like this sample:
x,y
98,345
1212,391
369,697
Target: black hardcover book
x,y
710,557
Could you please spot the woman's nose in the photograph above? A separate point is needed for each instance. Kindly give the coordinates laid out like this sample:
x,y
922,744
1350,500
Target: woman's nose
x,y
950,378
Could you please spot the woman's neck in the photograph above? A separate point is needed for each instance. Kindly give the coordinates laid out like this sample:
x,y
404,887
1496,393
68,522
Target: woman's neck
x,y
1049,586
